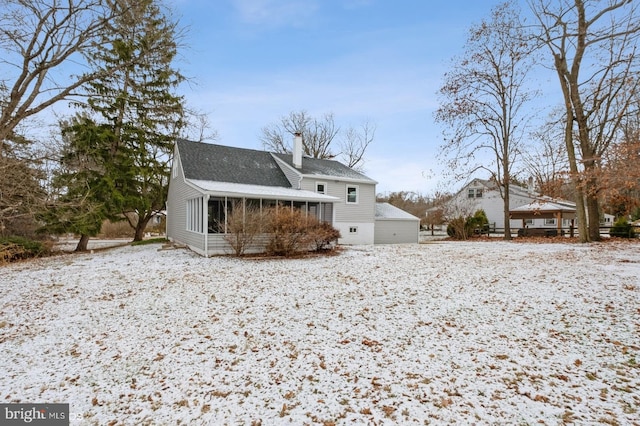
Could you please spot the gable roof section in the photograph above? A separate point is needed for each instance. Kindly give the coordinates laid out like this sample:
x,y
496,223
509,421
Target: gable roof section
x,y
210,162
325,168
491,185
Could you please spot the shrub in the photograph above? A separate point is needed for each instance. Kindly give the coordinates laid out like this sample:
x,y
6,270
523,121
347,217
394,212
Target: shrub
x,y
323,235
120,229
462,228
622,228
478,221
17,248
288,231
243,226
456,228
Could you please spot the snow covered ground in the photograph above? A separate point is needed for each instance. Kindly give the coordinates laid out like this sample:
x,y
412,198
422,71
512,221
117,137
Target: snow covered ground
x,y
440,333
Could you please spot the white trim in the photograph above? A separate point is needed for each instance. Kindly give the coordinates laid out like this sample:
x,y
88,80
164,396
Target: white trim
x,y
206,225
346,198
239,190
324,184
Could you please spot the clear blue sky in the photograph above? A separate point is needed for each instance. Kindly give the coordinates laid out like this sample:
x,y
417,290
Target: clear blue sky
x,y
253,61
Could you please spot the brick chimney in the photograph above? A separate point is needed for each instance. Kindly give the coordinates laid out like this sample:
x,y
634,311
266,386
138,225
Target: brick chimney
x,y
297,150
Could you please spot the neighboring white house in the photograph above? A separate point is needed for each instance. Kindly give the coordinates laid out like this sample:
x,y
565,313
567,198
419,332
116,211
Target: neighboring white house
x,y
484,194
207,180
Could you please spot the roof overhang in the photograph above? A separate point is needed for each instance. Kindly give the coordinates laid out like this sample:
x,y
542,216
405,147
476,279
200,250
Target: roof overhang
x,y
542,214
544,210
329,178
239,190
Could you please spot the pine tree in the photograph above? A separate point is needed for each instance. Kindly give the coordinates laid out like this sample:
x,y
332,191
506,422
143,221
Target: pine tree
x,y
79,184
138,103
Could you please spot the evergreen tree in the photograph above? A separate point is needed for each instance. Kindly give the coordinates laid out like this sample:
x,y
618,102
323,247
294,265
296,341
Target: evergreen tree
x,y
137,103
79,183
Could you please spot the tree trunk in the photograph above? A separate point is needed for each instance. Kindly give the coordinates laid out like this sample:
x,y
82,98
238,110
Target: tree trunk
x,y
593,210
82,244
507,219
591,195
583,229
140,228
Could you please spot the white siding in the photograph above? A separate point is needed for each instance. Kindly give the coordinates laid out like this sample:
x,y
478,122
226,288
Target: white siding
x,y
347,216
179,193
491,202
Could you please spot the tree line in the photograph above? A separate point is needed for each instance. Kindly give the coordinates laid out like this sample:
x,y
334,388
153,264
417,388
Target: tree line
x,y
588,146
111,157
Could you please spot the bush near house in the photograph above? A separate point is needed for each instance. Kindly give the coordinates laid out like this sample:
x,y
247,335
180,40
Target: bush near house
x,y
292,231
287,228
288,231
323,235
622,228
243,227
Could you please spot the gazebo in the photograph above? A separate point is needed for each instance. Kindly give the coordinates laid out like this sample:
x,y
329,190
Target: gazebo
x,y
545,209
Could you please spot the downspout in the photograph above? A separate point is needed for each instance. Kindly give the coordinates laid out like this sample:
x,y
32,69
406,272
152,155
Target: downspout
x,y
205,218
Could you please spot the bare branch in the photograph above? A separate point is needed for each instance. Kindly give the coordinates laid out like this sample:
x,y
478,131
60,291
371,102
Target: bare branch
x,y
36,38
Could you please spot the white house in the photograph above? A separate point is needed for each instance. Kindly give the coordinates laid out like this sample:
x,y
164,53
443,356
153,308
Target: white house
x,y
528,208
541,211
207,180
485,195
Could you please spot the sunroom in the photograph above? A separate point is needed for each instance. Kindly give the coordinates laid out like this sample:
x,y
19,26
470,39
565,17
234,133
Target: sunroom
x,y
207,215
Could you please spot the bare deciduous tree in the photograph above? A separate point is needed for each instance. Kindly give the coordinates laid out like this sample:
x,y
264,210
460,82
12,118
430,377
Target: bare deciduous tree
x,y
21,192
546,160
319,138
484,96
355,144
37,37
593,46
317,134
198,127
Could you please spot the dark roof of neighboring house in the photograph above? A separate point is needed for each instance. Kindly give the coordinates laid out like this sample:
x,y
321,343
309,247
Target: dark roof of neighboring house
x,y
319,167
203,161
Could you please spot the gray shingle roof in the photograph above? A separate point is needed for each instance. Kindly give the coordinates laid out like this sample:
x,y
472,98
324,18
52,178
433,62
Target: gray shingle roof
x,y
318,167
210,162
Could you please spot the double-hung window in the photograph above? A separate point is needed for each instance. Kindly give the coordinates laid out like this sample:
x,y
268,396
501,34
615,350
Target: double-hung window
x,y
352,194
475,193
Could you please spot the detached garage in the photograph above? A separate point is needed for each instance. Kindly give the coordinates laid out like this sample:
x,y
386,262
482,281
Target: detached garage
x,y
395,226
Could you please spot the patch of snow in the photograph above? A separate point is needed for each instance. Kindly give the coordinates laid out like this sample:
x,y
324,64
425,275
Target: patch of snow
x,y
448,332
